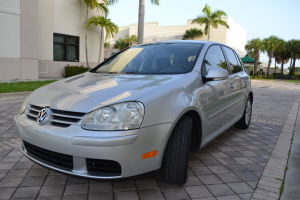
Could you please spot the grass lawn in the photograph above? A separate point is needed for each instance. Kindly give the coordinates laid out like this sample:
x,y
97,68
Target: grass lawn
x,y
22,86
262,79
293,81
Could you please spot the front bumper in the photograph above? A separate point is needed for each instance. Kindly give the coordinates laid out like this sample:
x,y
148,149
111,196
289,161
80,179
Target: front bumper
x,y
123,147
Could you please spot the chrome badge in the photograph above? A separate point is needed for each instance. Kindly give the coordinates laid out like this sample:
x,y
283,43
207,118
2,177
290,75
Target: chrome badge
x,y
43,116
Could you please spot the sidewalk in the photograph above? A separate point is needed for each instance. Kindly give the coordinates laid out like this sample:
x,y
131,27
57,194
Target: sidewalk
x,y
270,184
292,176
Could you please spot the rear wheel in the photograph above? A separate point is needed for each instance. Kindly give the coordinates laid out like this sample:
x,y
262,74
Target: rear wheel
x,y
244,122
175,161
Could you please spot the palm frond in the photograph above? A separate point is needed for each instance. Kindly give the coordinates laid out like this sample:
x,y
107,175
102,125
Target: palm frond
x,y
155,2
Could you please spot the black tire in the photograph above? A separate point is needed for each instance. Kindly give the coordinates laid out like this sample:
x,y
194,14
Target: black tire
x,y
175,161
244,122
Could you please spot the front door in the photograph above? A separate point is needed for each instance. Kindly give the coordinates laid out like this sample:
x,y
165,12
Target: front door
x,y
218,104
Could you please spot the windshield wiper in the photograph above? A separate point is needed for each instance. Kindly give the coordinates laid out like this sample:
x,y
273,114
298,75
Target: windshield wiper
x,y
133,72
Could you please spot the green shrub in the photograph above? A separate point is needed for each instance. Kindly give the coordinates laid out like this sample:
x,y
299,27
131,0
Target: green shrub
x,y
74,70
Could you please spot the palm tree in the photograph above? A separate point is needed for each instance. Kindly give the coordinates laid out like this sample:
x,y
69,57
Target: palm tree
x,y
280,54
210,19
130,39
105,23
192,34
269,45
92,4
282,58
141,17
293,46
121,44
255,46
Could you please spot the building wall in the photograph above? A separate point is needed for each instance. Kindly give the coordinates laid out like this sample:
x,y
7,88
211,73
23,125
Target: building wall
x,y
19,47
234,37
26,37
55,19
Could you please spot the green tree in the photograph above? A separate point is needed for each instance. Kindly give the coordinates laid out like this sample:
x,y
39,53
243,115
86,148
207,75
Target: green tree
x,y
192,33
269,45
141,17
293,46
281,55
106,45
130,39
255,46
92,4
211,20
105,24
121,44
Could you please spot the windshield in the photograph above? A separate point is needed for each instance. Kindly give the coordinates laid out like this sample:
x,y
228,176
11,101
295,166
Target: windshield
x,y
157,58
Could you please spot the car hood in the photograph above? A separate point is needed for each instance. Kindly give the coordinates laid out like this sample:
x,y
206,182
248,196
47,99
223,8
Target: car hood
x,y
89,91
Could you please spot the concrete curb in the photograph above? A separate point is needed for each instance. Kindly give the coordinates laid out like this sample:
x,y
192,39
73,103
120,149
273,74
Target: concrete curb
x,y
275,81
270,182
14,95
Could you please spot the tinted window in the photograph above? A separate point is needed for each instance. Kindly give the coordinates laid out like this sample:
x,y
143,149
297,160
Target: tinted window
x,y
234,64
215,58
65,48
239,60
158,58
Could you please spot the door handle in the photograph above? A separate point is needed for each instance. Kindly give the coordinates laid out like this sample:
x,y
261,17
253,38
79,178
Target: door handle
x,y
231,86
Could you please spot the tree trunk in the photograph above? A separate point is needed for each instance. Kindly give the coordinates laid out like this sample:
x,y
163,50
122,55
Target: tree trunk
x,y
141,22
293,67
268,70
275,69
255,65
86,49
101,41
282,67
291,64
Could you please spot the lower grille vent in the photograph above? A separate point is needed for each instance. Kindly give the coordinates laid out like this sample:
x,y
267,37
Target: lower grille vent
x,y
55,159
103,167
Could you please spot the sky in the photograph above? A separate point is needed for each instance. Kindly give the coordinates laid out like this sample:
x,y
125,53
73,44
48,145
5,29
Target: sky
x,y
260,18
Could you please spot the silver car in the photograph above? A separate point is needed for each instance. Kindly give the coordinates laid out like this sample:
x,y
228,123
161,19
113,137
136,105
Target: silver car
x,y
139,111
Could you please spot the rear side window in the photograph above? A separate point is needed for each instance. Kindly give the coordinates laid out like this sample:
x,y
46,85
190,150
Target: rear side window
x,y
235,65
215,58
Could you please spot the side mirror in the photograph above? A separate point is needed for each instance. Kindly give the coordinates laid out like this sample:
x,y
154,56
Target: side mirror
x,y
215,74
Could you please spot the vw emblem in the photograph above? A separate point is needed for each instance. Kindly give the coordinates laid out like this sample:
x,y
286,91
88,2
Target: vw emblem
x,y
43,116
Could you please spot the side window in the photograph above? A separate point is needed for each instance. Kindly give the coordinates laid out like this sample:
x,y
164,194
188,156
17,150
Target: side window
x,y
239,61
214,58
234,64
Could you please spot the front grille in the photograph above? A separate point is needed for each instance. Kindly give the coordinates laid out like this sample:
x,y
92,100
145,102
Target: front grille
x,y
103,167
55,159
58,118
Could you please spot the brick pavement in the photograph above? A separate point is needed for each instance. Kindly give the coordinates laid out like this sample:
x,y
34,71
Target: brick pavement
x,y
233,166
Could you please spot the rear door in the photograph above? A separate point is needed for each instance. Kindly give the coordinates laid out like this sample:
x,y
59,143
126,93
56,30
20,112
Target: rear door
x,y
238,82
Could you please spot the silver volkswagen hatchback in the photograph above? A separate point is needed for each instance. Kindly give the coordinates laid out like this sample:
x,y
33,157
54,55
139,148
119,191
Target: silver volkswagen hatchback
x,y
139,111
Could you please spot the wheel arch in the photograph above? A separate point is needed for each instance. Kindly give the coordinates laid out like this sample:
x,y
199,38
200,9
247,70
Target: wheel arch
x,y
196,136
251,95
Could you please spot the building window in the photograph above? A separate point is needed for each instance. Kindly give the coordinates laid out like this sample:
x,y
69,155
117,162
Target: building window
x,y
65,48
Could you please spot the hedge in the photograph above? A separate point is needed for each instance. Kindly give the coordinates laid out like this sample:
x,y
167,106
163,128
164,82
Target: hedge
x,y
74,70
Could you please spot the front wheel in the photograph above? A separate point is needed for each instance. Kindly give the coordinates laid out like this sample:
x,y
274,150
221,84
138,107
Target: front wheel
x,y
244,122
175,161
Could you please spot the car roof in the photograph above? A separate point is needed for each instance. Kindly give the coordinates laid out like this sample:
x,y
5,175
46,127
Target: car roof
x,y
185,42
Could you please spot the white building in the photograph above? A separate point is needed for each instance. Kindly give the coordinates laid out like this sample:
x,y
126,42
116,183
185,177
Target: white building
x,y
234,37
39,37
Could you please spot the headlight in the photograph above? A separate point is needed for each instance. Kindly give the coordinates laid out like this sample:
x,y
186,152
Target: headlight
x,y
23,106
121,116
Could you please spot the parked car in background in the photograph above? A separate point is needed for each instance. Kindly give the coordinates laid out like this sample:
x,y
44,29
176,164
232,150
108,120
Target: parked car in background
x,y
139,111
